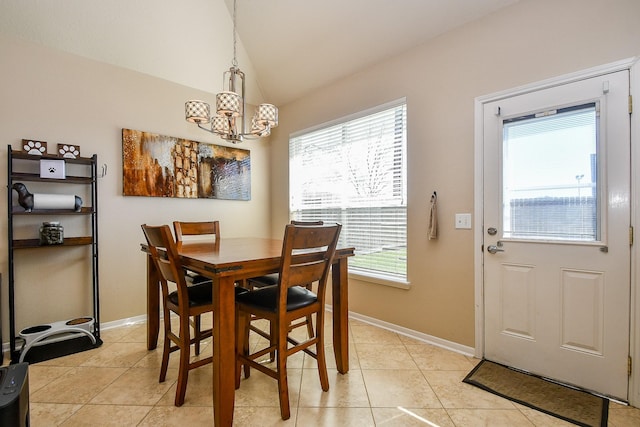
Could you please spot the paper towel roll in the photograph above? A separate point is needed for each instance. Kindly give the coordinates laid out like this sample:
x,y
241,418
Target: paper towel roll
x,y
54,201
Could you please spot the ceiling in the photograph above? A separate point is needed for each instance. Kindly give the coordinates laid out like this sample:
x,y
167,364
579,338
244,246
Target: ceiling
x,y
294,46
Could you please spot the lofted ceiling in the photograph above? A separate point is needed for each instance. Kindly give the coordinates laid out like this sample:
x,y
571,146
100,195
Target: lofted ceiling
x,y
297,46
294,46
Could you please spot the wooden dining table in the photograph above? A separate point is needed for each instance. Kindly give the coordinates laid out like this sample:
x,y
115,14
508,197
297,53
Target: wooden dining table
x,y
231,260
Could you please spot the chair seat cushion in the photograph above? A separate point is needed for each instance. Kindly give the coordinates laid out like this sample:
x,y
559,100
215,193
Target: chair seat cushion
x,y
266,280
201,294
267,298
195,278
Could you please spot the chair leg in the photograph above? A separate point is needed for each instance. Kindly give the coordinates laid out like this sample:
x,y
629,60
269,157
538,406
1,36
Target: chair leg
x,y
183,370
166,351
242,345
310,326
309,317
273,334
322,366
281,367
197,334
321,354
239,345
166,346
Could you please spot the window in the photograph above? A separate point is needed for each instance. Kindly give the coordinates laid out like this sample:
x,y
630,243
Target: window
x,y
353,171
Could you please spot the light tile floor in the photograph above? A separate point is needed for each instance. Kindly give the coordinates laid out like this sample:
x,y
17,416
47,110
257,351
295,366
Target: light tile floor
x,y
393,381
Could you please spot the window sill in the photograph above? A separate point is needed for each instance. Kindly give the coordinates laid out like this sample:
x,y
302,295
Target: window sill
x,y
380,280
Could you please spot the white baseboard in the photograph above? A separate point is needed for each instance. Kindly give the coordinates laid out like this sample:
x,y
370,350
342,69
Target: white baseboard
x,y
429,339
124,322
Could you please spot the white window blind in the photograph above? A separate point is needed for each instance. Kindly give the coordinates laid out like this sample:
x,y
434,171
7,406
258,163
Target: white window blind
x,y
354,172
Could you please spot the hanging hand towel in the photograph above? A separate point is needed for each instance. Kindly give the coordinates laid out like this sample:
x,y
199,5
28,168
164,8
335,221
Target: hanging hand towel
x,y
433,217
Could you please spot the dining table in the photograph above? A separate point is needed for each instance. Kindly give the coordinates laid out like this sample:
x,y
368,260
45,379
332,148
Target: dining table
x,y
228,261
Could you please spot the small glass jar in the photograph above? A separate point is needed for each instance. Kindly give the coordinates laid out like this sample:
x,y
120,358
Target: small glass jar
x,y
51,233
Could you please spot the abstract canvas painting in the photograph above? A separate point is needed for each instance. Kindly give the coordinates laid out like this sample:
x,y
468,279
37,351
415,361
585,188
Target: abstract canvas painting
x,y
164,166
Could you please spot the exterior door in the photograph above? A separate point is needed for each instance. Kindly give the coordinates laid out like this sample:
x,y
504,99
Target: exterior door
x,y
557,232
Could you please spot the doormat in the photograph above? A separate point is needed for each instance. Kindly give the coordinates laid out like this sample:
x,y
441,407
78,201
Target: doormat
x,y
575,406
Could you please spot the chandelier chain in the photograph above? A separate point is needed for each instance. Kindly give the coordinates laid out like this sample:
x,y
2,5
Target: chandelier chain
x,y
235,61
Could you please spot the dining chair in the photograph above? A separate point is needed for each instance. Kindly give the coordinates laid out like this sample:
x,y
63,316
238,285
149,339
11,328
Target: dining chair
x,y
185,301
208,231
196,230
272,280
307,254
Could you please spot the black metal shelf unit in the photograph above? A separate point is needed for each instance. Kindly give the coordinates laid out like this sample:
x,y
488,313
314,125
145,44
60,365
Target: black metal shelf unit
x,y
62,332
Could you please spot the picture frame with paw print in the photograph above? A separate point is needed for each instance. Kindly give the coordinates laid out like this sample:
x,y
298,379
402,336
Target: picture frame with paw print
x,y
34,148
69,151
54,169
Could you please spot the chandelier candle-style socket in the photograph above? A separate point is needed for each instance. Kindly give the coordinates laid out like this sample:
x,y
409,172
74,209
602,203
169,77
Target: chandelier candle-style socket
x,y
230,107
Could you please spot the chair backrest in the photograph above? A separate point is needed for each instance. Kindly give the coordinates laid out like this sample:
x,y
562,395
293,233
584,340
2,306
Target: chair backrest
x,y
164,253
307,255
211,229
294,222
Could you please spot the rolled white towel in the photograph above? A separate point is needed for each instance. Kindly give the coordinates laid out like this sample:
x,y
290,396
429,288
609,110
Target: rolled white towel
x,y
54,201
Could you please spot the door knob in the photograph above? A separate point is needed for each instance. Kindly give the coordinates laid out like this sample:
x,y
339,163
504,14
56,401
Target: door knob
x,y
493,249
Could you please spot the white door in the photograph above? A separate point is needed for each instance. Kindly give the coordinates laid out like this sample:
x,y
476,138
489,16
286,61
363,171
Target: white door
x,y
557,232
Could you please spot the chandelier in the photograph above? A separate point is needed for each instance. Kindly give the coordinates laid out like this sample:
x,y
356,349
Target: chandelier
x,y
229,121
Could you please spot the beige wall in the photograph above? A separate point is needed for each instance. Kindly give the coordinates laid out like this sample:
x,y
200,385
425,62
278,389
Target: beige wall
x,y
527,42
58,97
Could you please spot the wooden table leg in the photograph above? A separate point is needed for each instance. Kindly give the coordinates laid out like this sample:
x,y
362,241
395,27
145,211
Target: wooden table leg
x,y
340,295
153,304
224,352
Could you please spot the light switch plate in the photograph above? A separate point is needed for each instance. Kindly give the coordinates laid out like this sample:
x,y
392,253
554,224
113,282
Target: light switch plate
x,y
463,220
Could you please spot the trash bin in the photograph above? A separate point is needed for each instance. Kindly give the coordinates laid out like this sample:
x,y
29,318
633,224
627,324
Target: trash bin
x,y
14,395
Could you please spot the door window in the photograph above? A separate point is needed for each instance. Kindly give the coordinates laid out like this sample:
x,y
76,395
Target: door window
x,y
550,175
